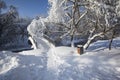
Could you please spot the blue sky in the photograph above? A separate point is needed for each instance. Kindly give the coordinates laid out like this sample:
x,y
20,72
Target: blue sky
x,y
30,8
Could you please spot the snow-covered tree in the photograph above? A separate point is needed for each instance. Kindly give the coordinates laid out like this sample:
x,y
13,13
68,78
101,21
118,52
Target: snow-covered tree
x,y
94,18
68,16
56,11
46,27
64,19
104,16
35,29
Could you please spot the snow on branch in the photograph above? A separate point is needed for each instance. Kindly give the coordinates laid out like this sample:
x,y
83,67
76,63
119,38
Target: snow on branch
x,y
81,17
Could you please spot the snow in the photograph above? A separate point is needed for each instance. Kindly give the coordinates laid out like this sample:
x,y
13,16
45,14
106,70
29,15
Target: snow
x,y
56,12
103,44
102,65
7,62
29,66
62,63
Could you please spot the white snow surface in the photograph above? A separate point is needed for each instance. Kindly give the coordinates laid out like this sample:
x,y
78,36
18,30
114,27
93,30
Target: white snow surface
x,y
63,63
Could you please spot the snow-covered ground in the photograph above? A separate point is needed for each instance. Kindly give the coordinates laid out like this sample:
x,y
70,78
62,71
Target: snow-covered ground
x,y
63,63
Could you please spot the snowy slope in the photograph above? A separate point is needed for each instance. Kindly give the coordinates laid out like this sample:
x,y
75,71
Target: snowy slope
x,y
103,44
62,63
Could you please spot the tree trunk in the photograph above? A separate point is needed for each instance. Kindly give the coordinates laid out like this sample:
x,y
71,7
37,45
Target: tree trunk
x,y
34,44
87,44
0,33
110,44
1,30
72,40
90,40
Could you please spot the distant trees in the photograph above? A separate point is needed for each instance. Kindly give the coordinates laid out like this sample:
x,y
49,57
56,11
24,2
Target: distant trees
x,y
2,6
7,20
10,19
13,29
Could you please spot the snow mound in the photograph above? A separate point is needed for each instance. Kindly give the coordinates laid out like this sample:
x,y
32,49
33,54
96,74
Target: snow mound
x,y
104,44
7,62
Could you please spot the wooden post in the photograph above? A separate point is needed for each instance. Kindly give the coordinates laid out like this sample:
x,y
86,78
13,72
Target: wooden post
x,y
80,49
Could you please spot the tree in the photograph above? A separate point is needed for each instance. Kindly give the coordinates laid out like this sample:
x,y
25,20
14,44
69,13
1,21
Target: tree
x,y
56,11
94,18
8,19
105,14
2,5
68,14
14,12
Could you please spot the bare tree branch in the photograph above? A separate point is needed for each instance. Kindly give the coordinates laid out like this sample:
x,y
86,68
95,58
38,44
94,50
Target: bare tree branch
x,y
80,18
